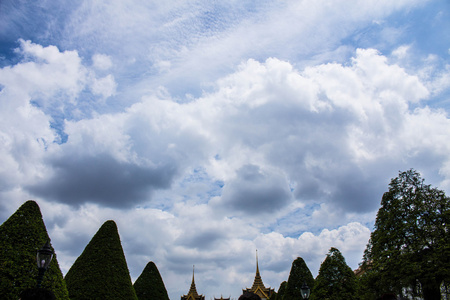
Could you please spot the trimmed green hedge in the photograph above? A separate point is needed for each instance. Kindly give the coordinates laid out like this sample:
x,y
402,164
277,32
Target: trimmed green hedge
x,y
299,274
101,271
149,285
20,237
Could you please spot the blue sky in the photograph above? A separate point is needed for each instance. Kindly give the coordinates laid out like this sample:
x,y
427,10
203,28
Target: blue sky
x,y
210,129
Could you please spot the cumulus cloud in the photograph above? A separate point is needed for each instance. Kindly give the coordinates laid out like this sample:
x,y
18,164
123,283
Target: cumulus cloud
x,y
46,71
254,191
269,131
326,126
105,86
101,179
101,61
207,130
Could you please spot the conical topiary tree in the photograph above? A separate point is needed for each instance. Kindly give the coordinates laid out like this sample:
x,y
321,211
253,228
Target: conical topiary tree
x,y
336,280
149,285
299,274
21,236
279,295
101,271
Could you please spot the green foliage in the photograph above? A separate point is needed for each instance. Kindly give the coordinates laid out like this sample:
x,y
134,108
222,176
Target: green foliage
x,y
101,271
21,236
336,279
279,295
149,285
299,274
410,246
281,290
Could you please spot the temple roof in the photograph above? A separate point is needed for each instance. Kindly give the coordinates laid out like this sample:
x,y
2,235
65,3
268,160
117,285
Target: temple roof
x,y
258,285
258,280
192,294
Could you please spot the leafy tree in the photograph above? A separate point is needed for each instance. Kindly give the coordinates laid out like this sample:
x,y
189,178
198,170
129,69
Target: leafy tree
x,y
101,271
149,285
21,236
279,295
281,290
336,279
299,274
409,248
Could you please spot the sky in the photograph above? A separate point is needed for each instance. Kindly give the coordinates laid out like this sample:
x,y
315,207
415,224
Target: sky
x,y
208,130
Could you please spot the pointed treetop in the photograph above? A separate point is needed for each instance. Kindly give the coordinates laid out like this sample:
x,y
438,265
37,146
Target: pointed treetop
x,y
101,271
150,285
21,236
298,275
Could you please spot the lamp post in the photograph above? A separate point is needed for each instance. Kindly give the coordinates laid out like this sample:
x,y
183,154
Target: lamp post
x,y
43,258
305,291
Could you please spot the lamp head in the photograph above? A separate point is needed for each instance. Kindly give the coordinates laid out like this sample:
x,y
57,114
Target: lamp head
x,y
305,291
44,256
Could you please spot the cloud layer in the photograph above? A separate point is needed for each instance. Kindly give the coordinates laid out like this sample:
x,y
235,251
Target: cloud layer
x,y
209,130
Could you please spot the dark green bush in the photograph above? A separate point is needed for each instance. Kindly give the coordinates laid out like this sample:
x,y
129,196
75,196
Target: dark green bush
x,y
299,274
101,271
20,237
149,285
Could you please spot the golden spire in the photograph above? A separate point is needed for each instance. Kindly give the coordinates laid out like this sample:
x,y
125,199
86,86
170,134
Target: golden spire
x,y
257,267
193,289
258,286
258,280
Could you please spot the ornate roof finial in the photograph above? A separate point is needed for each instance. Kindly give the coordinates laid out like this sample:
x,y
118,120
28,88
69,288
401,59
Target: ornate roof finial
x,y
258,285
257,267
193,289
192,294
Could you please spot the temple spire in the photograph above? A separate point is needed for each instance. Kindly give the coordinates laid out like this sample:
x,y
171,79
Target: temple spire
x,y
258,285
192,294
193,289
257,267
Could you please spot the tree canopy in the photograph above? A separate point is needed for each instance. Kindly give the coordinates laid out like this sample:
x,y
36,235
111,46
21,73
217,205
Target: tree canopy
x,y
336,279
409,248
299,274
101,271
21,236
149,285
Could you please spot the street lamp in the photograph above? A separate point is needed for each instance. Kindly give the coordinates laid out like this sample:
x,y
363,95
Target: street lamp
x,y
305,291
43,258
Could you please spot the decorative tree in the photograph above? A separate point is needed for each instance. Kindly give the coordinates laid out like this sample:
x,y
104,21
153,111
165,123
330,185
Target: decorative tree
x,y
299,274
21,236
336,279
101,271
280,294
149,285
409,249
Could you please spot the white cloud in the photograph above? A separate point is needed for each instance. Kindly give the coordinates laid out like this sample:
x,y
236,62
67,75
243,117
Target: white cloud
x,y
105,86
401,52
49,71
102,62
307,126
